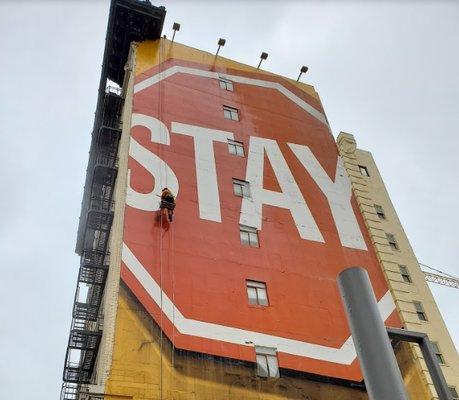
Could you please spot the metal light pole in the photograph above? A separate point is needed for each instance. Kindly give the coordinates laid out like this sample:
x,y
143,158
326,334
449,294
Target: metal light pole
x,y
263,56
175,28
221,42
383,379
303,70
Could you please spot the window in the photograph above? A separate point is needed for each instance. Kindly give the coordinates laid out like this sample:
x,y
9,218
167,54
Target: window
x,y
267,364
363,170
420,311
392,242
380,212
249,236
241,188
236,148
226,84
256,292
231,113
438,353
405,274
454,392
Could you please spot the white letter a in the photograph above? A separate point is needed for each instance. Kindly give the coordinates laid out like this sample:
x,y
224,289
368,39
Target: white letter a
x,y
338,194
290,197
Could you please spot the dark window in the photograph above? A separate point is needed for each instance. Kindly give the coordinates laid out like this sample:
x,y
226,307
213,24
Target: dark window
x,y
256,292
392,242
380,212
249,236
405,274
438,353
420,311
231,113
226,84
236,148
241,188
363,170
267,365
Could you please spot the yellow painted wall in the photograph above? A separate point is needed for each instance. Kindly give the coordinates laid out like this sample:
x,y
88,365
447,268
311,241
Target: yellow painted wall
x,y
137,366
412,374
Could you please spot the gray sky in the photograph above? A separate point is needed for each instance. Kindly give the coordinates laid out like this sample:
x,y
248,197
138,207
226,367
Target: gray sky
x,y
386,72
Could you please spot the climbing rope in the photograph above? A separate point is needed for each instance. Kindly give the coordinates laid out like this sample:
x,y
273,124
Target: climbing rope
x,y
161,235
170,251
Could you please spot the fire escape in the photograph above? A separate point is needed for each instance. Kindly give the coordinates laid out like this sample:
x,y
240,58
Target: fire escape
x,y
86,327
129,21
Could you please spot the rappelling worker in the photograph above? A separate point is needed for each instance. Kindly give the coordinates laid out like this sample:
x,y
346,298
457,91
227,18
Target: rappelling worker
x,y
168,202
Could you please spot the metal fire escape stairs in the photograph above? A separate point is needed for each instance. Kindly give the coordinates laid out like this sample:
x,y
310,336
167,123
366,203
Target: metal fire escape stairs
x,y
86,326
129,21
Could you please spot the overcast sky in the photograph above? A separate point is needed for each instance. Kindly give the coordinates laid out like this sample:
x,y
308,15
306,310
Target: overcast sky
x,y
386,72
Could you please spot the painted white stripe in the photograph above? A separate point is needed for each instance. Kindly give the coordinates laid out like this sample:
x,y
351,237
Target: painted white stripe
x,y
343,355
235,78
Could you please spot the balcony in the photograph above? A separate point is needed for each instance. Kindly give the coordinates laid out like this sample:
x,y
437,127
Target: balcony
x,y
108,137
93,271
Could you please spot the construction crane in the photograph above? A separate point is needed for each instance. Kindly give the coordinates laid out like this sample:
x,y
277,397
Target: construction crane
x,y
440,277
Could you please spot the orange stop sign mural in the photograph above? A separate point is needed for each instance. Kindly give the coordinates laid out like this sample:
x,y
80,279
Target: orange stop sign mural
x,y
264,222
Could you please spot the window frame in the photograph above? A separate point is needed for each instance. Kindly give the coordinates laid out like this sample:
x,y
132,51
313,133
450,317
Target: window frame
x,y
264,355
438,353
419,309
251,233
259,287
392,241
364,171
380,212
237,146
232,112
405,273
226,84
244,186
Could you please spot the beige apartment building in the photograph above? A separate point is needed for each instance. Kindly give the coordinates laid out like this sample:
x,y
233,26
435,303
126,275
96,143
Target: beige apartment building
x,y
413,298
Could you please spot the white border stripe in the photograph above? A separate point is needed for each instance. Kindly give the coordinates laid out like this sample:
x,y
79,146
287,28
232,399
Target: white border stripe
x,y
344,355
235,78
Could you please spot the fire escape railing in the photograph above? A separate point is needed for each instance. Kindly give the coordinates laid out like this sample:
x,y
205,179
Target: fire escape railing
x,y
86,327
129,21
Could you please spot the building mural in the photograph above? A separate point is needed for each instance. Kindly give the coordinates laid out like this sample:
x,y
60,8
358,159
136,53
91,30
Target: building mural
x,y
237,297
262,199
